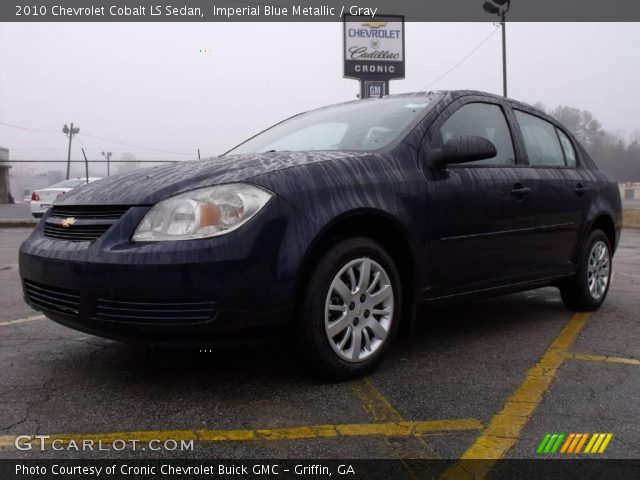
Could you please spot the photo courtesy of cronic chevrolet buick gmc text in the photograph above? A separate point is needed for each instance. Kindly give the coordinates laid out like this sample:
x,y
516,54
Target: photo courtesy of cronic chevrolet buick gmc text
x,y
330,226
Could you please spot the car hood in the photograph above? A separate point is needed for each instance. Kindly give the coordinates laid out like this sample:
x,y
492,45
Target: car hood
x,y
148,186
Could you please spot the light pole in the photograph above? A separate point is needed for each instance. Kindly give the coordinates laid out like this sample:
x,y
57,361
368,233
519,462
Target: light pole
x,y
107,155
69,132
489,7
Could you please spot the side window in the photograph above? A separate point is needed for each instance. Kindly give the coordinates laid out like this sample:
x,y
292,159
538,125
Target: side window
x,y
540,140
482,120
567,147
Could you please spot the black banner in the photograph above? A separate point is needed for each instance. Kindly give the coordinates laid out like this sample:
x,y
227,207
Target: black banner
x,y
311,11
542,469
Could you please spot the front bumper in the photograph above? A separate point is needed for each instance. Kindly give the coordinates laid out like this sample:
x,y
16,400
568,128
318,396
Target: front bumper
x,y
221,289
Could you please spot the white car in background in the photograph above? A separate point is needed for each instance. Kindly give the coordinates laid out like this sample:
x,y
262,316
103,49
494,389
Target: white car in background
x,y
42,199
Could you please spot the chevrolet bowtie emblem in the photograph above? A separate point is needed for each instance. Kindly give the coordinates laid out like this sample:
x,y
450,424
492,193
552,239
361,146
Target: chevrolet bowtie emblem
x,y
67,222
374,24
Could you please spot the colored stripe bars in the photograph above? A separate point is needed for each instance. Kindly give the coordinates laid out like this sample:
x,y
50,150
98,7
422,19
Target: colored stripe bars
x,y
574,443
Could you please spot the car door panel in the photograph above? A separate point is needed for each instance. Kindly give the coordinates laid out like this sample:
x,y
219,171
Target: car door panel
x,y
559,211
480,217
562,194
482,236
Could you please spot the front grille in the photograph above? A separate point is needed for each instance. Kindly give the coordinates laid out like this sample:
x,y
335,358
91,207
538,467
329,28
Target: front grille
x,y
53,299
82,223
107,212
154,312
79,233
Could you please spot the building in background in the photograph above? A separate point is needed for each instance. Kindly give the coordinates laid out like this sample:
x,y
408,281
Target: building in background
x,y
26,179
630,191
4,175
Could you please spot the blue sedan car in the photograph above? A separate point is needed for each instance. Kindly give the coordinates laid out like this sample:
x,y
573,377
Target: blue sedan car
x,y
330,227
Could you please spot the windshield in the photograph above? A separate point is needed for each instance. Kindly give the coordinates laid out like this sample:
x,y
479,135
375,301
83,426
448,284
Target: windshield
x,y
363,125
73,183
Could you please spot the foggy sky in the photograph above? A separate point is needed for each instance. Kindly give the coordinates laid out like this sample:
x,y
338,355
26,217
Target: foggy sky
x,y
148,83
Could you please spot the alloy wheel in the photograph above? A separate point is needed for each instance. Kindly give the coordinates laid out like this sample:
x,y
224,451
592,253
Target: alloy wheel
x,y
359,309
598,270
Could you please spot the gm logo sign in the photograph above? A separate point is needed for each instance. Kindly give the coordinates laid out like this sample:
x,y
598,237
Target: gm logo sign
x,y
374,89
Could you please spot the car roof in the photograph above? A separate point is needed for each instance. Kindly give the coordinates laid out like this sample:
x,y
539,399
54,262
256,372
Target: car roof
x,y
466,93
455,94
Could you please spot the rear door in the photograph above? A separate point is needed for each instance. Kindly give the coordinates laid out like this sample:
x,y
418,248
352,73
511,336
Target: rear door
x,y
562,193
479,213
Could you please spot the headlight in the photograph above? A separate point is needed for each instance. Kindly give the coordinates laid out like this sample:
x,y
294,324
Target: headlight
x,y
202,213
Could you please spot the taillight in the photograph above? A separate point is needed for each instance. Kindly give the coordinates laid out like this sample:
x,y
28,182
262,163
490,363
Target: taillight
x,y
35,197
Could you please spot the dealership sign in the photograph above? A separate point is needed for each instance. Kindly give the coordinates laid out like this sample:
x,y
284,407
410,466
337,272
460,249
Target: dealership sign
x,y
374,47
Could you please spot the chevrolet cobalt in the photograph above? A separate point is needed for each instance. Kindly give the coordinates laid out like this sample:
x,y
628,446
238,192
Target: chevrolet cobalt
x,y
331,226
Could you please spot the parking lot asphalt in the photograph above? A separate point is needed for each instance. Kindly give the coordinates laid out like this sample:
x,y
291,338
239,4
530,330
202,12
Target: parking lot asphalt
x,y
486,379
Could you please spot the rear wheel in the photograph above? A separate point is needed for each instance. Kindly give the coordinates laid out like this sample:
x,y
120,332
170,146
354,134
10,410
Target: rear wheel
x,y
351,309
588,288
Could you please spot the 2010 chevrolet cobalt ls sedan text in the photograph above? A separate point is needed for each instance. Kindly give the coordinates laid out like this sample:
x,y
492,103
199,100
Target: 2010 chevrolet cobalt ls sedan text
x,y
331,226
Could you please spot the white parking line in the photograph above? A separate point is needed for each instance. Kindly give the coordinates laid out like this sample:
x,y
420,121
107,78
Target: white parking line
x,y
4,323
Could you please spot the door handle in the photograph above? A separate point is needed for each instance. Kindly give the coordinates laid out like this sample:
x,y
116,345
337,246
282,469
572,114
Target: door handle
x,y
580,190
519,191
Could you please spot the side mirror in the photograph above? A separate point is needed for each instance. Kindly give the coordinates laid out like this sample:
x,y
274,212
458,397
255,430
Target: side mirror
x,y
467,148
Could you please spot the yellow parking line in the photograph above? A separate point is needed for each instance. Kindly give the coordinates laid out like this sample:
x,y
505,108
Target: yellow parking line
x,y
504,429
396,429
373,402
380,410
4,323
602,358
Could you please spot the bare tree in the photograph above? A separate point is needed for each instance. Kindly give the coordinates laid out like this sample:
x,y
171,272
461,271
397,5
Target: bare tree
x,y
129,163
610,150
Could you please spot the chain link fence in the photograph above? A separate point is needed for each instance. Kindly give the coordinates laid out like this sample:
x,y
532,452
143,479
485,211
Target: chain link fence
x,y
22,173
27,170
27,176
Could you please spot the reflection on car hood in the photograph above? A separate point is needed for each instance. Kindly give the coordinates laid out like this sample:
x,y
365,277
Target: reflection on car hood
x,y
148,186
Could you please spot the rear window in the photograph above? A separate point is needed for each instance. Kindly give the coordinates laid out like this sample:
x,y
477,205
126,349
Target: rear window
x,y
567,147
541,141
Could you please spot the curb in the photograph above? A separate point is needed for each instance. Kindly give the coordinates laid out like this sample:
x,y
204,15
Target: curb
x,y
628,222
4,223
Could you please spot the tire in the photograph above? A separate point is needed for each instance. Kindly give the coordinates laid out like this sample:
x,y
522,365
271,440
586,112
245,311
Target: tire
x,y
588,288
333,353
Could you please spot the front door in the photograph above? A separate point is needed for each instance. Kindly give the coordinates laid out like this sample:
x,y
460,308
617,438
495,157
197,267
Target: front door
x,y
479,213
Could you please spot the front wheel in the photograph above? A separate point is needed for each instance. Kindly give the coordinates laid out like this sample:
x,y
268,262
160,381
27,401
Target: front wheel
x,y
351,309
588,288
